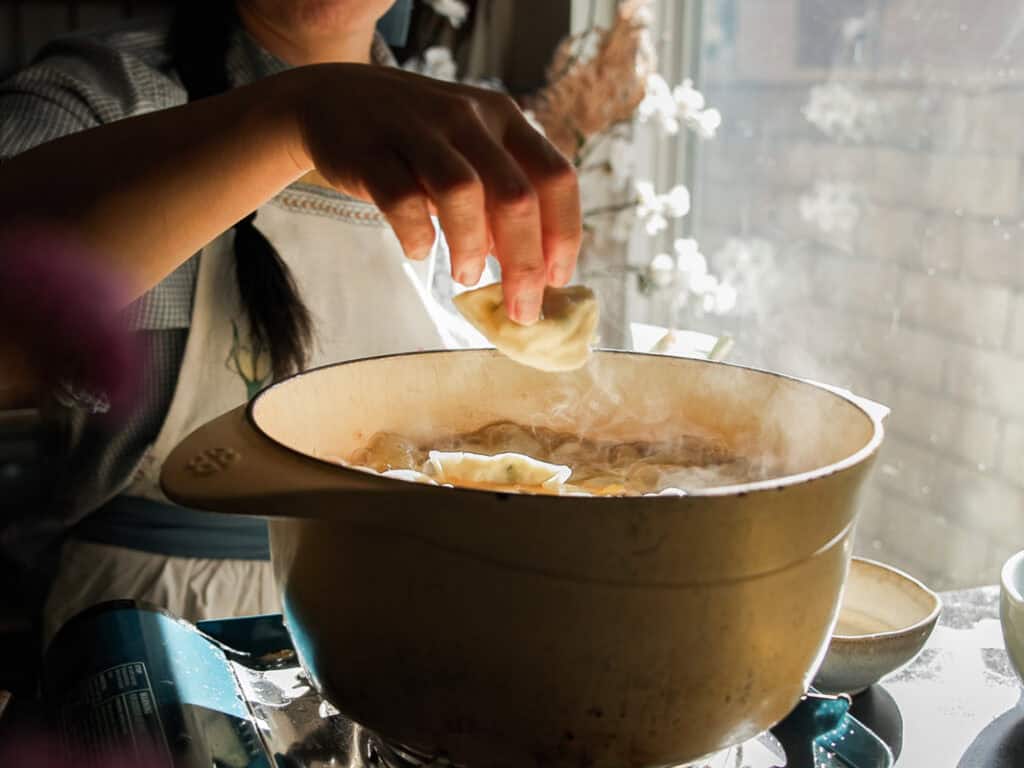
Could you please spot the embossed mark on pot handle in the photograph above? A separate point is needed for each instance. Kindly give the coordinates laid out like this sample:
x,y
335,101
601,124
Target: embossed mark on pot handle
x,y
211,461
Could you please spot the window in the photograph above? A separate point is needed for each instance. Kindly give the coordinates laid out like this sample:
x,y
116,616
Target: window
x,y
864,194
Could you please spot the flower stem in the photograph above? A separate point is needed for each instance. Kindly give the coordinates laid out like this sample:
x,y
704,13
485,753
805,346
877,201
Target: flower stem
x,y
601,210
723,345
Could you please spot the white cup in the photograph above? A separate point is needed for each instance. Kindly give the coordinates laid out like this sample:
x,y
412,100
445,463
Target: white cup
x,y
1011,610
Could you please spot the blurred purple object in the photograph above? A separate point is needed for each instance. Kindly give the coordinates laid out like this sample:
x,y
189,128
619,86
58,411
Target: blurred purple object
x,y
64,314
40,750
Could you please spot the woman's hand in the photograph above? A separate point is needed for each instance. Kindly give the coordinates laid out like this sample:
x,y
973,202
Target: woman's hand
x,y
414,145
143,194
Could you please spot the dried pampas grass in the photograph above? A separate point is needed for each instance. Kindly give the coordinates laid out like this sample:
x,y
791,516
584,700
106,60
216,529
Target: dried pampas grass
x,y
596,79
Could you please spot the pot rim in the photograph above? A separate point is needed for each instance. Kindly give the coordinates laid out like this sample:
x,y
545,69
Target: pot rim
x,y
742,489
1008,581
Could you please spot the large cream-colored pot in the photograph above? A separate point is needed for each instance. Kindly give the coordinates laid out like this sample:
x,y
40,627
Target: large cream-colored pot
x,y
518,630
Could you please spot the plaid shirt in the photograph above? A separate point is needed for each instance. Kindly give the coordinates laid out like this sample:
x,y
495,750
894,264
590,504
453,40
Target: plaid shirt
x,y
76,83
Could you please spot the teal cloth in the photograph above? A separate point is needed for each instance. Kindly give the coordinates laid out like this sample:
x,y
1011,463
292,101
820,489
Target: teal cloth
x,y
165,529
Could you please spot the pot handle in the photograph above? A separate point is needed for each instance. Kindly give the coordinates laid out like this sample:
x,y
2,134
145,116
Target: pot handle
x,y
227,466
875,410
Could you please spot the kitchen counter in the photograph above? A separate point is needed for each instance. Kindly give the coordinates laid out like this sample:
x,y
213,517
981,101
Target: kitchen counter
x,y
959,704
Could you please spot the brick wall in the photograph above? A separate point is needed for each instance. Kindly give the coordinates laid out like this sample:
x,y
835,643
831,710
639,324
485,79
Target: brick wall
x,y
920,304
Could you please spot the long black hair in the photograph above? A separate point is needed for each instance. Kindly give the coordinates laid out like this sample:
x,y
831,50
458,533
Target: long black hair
x,y
279,321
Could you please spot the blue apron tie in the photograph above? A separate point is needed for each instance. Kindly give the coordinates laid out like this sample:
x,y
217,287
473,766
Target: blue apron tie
x,y
394,25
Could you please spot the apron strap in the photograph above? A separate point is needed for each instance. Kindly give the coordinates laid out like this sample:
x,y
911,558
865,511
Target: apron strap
x,y
165,529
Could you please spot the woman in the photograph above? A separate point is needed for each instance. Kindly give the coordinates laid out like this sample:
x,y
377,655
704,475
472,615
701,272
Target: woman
x,y
254,180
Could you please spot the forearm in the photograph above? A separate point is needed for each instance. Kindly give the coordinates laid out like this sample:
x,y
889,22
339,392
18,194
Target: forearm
x,y
145,193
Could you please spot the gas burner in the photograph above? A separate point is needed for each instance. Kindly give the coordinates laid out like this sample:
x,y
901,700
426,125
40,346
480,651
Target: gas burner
x,y
399,757
231,692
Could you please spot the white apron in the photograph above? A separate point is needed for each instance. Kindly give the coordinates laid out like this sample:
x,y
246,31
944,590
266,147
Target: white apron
x,y
365,298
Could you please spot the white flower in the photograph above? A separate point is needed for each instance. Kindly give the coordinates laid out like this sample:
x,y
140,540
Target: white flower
x,y
455,11
659,103
646,195
841,111
692,266
706,123
673,106
621,159
654,223
703,284
655,210
661,270
437,62
676,202
647,201
723,299
687,98
686,273
689,259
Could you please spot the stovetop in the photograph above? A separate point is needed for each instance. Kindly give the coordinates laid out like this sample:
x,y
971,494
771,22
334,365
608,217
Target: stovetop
x,y
231,694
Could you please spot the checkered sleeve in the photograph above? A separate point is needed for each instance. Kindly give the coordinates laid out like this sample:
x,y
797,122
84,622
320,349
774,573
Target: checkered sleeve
x,y
81,82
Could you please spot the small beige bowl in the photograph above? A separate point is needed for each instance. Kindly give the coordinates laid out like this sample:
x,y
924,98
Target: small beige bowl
x,y
885,618
1011,611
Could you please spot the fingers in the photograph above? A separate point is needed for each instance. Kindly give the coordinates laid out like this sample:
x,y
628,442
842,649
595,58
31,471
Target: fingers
x,y
457,194
514,219
404,203
557,187
497,186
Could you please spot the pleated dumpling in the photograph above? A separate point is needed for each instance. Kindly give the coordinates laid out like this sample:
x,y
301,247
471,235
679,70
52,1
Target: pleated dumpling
x,y
559,341
408,475
504,469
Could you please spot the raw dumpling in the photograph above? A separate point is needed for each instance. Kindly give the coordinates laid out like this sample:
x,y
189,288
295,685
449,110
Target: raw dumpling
x,y
504,469
559,341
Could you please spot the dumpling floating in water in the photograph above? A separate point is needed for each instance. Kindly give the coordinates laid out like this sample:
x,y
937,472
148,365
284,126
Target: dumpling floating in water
x,y
504,469
408,475
559,341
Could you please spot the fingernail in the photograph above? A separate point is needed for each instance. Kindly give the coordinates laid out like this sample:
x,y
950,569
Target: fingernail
x,y
559,275
527,310
418,250
469,274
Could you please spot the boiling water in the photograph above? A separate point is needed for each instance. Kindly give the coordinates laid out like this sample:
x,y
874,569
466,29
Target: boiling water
x,y
605,468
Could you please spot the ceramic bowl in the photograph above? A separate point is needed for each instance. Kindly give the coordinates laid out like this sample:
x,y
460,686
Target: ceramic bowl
x,y
1011,610
885,619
